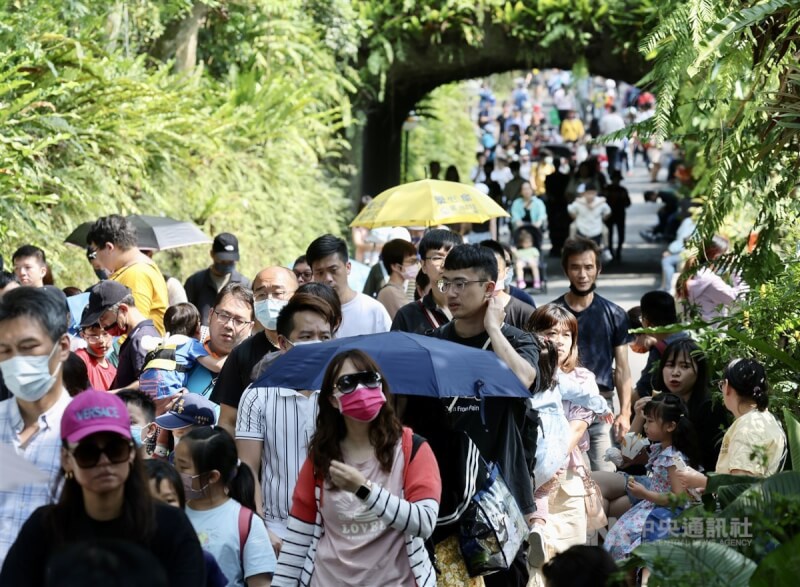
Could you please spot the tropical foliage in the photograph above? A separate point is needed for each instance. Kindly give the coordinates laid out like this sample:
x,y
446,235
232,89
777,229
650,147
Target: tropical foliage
x,y
87,130
728,89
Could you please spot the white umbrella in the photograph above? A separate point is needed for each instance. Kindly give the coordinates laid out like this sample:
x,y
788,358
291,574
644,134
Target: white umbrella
x,y
16,470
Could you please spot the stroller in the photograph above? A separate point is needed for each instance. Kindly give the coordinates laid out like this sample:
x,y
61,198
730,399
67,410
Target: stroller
x,y
526,275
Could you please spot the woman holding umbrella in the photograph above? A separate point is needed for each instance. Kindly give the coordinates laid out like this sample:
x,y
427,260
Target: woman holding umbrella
x,y
367,496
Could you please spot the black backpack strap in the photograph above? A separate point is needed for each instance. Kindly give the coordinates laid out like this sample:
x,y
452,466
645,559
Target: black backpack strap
x,y
416,442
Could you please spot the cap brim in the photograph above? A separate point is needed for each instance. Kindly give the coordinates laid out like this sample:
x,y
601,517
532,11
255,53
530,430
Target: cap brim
x,y
85,431
91,319
170,421
224,256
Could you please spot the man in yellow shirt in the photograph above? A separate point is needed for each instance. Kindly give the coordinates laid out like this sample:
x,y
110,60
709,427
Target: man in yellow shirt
x,y
572,129
112,239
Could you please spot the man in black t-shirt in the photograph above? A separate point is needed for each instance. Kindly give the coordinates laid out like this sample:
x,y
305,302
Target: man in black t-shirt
x,y
272,289
602,341
496,428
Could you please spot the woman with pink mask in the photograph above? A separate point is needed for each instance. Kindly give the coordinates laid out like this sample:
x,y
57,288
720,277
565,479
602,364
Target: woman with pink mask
x,y
367,496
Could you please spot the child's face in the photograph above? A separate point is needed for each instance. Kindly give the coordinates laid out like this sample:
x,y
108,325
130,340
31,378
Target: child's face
x,y
526,242
680,374
653,429
97,339
589,196
164,492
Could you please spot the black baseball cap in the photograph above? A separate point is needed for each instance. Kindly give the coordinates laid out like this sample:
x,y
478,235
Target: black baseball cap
x,y
225,247
102,296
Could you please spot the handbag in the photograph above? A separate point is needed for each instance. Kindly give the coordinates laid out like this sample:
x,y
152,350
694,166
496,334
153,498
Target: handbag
x,y
593,500
492,529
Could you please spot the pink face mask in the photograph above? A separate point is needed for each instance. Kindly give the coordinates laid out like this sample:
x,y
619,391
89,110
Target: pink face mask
x,y
363,403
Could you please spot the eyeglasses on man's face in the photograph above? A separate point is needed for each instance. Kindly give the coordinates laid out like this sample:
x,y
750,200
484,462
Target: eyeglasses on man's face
x,y
224,318
456,286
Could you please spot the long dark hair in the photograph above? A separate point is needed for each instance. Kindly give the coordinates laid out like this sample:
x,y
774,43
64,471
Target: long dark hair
x,y
384,431
138,516
211,447
669,408
685,347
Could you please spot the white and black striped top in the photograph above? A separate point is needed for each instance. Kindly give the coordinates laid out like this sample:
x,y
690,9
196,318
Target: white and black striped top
x,y
284,420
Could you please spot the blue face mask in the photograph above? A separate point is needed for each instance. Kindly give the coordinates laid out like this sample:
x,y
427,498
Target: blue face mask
x,y
136,434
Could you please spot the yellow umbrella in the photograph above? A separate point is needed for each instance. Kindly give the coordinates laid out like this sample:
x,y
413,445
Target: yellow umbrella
x,y
427,203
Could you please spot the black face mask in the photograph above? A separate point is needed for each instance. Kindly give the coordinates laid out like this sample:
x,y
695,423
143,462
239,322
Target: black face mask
x,y
101,274
582,294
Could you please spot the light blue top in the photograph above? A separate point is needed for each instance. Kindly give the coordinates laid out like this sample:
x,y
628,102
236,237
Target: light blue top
x,y
538,211
580,388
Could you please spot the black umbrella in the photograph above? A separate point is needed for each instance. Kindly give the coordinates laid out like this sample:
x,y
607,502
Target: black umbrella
x,y
155,233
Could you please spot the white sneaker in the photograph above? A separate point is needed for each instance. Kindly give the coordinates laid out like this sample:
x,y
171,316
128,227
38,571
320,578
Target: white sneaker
x,y
536,547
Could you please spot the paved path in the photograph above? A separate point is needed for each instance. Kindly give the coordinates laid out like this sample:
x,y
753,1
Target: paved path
x,y
640,270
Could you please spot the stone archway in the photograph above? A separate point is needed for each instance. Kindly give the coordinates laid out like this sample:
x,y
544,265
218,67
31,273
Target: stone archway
x,y
425,67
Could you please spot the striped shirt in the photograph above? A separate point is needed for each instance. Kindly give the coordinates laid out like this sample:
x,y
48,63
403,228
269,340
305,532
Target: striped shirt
x,y
44,450
284,420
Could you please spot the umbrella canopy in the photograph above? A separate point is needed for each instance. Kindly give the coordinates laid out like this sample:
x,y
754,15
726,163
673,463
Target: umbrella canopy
x,y
413,365
17,471
428,203
154,233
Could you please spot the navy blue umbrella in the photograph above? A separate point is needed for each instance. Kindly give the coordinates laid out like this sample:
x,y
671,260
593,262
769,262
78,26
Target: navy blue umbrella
x,y
412,364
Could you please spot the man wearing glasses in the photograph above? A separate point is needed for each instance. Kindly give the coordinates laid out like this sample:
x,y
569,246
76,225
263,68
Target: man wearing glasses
x,y
273,287
494,425
33,345
431,311
113,244
112,307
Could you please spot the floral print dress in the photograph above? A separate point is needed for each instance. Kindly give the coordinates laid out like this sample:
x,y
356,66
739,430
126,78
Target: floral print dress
x,y
626,534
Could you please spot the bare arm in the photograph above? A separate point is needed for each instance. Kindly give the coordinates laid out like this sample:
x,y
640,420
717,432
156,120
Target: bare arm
x,y
227,419
577,430
213,364
622,381
250,453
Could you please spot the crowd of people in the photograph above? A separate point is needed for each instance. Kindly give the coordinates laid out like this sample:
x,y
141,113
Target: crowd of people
x,y
168,461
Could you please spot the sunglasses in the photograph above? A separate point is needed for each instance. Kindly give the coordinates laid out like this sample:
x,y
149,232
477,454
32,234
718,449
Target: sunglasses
x,y
348,383
87,454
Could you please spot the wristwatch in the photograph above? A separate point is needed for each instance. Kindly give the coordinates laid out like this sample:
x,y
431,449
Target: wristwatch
x,y
363,491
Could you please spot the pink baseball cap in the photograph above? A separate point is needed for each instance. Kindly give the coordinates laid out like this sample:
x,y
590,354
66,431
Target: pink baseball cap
x,y
95,411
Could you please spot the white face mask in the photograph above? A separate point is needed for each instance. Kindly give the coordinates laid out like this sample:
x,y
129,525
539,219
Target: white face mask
x,y
28,377
303,342
267,312
509,278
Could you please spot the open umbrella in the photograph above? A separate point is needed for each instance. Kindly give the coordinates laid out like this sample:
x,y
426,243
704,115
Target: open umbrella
x,y
17,471
413,365
154,233
428,202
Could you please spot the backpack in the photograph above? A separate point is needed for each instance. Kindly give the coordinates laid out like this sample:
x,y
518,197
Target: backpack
x,y
162,375
245,523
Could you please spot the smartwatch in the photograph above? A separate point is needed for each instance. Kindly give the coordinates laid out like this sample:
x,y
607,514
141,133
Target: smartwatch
x,y
363,491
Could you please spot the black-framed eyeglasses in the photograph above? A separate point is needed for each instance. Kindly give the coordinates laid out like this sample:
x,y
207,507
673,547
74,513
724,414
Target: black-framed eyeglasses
x,y
87,454
306,275
720,383
223,318
348,383
91,253
457,286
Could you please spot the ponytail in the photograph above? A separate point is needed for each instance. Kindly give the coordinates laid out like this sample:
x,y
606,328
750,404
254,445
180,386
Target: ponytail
x,y
242,486
213,448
